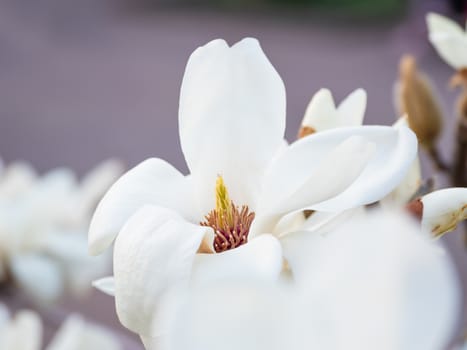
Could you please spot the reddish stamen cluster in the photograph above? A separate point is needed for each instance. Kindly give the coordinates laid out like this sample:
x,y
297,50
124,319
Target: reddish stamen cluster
x,y
231,232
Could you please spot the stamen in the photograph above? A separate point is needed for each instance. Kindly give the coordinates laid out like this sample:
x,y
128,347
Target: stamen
x,y
231,224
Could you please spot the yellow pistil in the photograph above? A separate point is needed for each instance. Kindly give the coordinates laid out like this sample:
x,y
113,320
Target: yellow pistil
x,y
230,223
224,206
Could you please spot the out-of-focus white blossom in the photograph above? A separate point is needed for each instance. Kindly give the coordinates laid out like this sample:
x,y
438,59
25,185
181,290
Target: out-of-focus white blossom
x,y
24,332
243,182
375,283
43,228
449,40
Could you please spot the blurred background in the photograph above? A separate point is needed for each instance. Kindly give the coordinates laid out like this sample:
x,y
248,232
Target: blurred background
x,y
85,80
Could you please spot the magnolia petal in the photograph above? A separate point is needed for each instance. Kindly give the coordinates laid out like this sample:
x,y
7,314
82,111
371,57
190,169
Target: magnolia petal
x,y
407,188
321,113
291,222
76,334
411,182
297,246
351,110
153,259
341,167
386,288
153,181
441,24
231,118
395,153
69,248
16,179
449,40
317,168
39,276
105,285
444,209
323,223
24,332
66,246
154,343
259,259
247,316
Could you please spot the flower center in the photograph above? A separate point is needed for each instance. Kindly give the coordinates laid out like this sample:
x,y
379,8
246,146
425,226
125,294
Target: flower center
x,y
231,224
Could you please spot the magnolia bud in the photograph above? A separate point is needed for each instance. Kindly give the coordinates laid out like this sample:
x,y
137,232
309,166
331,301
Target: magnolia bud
x,y
417,100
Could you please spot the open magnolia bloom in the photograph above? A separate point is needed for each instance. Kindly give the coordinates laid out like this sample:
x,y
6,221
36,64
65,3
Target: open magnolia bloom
x,y
449,40
322,113
225,219
362,289
24,332
43,226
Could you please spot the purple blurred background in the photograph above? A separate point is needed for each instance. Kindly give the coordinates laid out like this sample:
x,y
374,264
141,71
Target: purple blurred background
x,y
84,80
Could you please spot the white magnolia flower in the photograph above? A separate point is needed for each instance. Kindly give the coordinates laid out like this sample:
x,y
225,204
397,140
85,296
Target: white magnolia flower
x,y
43,225
243,182
449,40
363,289
442,210
322,113
24,332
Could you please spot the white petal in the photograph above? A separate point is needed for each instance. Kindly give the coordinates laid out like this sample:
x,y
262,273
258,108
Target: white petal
x,y
66,245
79,268
411,182
444,209
321,113
441,24
247,316
292,182
105,285
16,179
407,188
324,222
153,258
154,181
154,343
297,247
231,118
333,175
259,259
351,110
76,334
312,170
39,276
386,288
449,40
23,333
288,223
395,153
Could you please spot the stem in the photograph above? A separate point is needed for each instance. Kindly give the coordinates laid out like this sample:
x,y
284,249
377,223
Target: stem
x,y
458,174
437,160
460,155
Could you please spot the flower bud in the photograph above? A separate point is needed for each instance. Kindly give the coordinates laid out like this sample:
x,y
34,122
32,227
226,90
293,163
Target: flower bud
x,y
417,100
